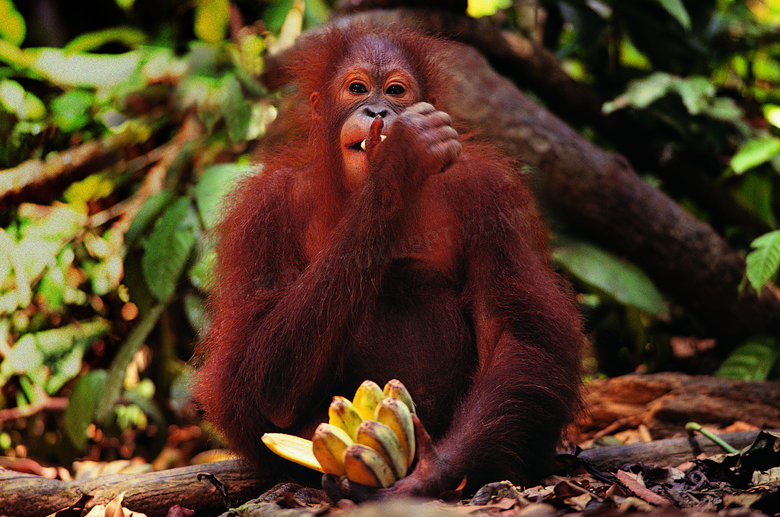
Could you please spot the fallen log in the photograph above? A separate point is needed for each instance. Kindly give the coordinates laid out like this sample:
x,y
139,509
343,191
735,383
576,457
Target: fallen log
x,y
153,493
25,495
669,452
665,402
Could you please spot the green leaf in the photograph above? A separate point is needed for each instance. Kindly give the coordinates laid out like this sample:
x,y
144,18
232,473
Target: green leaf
x,y
619,279
71,110
757,191
130,416
234,107
152,208
197,313
84,70
752,360
12,97
24,357
68,367
764,261
212,187
316,13
32,388
115,380
142,397
696,93
724,108
765,66
772,114
678,11
199,92
93,187
641,93
135,283
12,26
275,14
33,107
59,341
52,357
43,238
479,8
754,152
127,36
61,224
211,20
82,406
105,275
631,56
21,103
202,272
169,247
181,389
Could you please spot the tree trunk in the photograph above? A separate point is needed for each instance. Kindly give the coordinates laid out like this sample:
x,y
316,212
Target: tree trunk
x,y
25,495
598,193
594,190
665,402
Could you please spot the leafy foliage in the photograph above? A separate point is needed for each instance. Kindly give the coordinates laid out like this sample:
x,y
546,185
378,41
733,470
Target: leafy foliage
x,y
13,28
755,152
699,81
117,146
764,261
753,360
168,247
86,282
479,8
611,276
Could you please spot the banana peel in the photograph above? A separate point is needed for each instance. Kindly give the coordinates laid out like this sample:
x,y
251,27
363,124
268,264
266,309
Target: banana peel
x,y
381,438
395,414
364,465
366,398
293,448
329,444
369,439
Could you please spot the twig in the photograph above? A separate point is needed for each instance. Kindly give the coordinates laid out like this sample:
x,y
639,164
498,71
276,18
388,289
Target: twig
x,y
50,404
75,162
693,426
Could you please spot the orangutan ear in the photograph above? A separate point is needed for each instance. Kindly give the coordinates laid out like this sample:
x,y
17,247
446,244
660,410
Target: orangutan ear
x,y
316,105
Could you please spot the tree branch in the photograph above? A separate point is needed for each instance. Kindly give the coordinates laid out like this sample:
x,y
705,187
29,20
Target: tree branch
x,y
25,495
530,65
598,192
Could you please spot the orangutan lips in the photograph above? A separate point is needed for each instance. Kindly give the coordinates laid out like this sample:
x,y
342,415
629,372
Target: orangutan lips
x,y
363,143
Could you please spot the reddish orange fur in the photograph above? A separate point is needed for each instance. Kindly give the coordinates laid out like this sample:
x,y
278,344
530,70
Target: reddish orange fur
x,y
319,289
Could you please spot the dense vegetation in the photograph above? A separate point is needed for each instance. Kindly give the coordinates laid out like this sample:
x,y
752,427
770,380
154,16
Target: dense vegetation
x,y
120,131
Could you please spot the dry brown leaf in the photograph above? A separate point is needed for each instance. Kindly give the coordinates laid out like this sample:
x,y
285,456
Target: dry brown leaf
x,y
637,486
113,509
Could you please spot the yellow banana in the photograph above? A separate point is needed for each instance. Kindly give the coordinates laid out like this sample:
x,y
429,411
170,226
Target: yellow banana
x,y
396,415
343,414
293,448
364,465
329,444
370,439
366,398
382,439
395,388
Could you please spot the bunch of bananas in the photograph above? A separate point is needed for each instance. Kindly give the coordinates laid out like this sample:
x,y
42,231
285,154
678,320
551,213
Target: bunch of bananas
x,y
369,439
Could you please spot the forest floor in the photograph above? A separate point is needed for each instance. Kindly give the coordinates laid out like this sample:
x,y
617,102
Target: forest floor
x,y
629,455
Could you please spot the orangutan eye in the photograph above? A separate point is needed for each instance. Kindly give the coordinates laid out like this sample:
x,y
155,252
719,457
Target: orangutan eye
x,y
395,89
358,88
